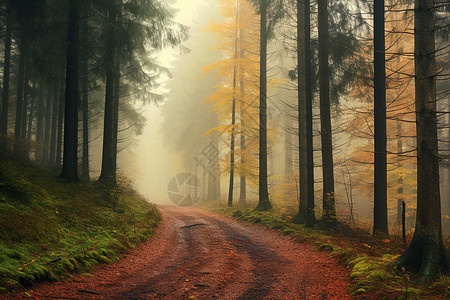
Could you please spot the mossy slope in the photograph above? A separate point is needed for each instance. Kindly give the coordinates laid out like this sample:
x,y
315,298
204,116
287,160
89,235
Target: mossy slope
x,y
50,228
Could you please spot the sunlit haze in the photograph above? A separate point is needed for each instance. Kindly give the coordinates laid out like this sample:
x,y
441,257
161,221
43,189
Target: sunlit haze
x,y
153,158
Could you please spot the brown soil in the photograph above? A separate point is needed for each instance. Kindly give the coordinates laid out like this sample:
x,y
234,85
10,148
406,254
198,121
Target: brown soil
x,y
200,255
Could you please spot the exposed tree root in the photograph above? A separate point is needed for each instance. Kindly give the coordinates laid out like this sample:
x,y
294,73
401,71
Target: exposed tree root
x,y
425,256
299,219
264,206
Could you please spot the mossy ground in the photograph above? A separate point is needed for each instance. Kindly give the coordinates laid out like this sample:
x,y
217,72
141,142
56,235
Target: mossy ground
x,y
50,228
370,260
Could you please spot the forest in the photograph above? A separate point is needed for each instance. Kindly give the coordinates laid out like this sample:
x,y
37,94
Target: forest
x,y
327,121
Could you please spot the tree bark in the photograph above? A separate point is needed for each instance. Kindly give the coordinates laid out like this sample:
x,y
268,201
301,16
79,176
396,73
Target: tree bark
x,y
329,210
400,178
108,172
301,119
310,218
70,156
6,80
233,124
447,171
243,179
288,169
233,114
40,120
426,253
85,97
117,94
116,111
59,137
47,132
380,218
31,116
18,144
264,202
117,91
26,90
55,106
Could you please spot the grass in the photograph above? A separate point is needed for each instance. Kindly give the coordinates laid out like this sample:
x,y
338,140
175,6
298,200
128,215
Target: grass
x,y
50,228
368,259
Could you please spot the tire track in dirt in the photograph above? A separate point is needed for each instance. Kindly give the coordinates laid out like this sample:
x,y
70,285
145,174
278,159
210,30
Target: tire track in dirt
x,y
213,258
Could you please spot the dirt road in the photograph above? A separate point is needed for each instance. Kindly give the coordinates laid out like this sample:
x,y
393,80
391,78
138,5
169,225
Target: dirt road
x,y
200,255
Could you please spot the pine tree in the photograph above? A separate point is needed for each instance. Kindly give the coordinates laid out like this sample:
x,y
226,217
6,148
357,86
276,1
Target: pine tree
x,y
380,218
6,79
70,157
426,253
263,202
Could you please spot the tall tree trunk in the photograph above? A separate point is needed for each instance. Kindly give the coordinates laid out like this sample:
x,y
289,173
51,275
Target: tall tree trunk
x,y
55,106
116,111
426,253
264,202
233,124
243,179
380,218
26,90
400,198
108,172
310,218
85,97
288,148
31,116
51,99
59,136
233,113
447,171
301,106
117,79
85,109
40,120
70,156
18,143
6,80
329,210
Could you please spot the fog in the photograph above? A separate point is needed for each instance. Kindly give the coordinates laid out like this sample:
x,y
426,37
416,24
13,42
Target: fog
x,y
154,168
178,129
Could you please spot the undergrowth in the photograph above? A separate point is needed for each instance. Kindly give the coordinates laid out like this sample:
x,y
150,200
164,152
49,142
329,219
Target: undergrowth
x,y
50,228
368,259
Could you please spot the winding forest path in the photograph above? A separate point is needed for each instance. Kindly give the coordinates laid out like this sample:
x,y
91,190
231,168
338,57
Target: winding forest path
x,y
200,255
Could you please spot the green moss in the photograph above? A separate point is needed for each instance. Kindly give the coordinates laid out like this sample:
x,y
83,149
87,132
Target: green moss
x,y
98,257
325,247
358,292
289,231
50,228
113,244
85,263
411,294
374,274
343,255
25,278
6,272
